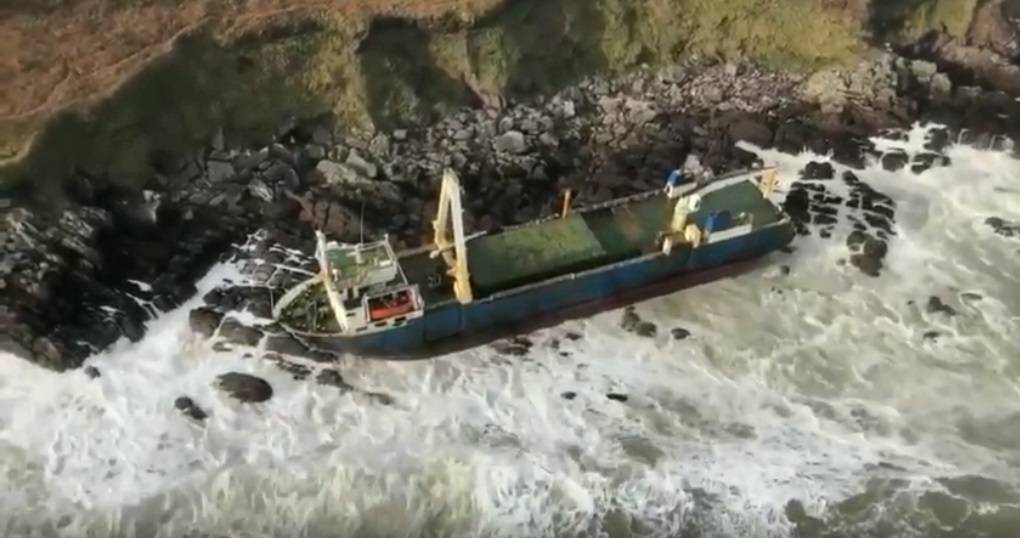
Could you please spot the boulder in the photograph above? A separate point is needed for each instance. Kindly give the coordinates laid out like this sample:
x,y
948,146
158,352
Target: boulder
x,y
333,378
510,142
204,321
361,166
236,332
220,171
245,387
894,160
818,171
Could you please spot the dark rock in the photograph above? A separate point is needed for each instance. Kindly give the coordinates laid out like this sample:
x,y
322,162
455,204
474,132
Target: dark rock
x,y
748,128
518,346
616,397
924,161
196,412
285,344
245,387
569,395
849,150
816,171
867,252
935,305
1004,227
679,333
938,140
204,321
931,336
332,378
572,336
189,409
646,329
894,160
91,371
235,332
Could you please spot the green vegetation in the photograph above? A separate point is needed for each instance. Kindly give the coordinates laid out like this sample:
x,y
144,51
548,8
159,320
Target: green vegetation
x,y
910,19
400,72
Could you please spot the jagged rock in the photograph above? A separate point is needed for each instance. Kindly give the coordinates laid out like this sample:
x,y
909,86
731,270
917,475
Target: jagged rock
x,y
204,321
818,171
361,166
1004,227
894,160
188,408
936,306
245,387
286,345
510,142
236,332
332,378
219,171
868,252
260,190
333,173
316,152
679,333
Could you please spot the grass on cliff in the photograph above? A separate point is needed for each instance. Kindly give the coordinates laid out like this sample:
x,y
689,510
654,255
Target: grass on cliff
x,y
395,71
910,19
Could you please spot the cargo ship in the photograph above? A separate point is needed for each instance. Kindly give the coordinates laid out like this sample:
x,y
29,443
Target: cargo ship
x,y
368,300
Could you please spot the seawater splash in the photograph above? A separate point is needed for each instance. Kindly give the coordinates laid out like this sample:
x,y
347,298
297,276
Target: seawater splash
x,y
824,387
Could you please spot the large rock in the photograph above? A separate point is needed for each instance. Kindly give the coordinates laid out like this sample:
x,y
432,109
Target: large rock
x,y
245,387
238,333
204,321
510,142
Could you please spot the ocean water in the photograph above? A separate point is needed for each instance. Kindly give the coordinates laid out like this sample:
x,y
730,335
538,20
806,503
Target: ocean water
x,y
803,403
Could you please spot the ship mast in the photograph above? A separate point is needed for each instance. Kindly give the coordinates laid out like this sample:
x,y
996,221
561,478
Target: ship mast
x,y
326,275
456,261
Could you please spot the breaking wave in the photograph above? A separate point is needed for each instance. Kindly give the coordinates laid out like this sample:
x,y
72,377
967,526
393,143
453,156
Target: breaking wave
x,y
813,399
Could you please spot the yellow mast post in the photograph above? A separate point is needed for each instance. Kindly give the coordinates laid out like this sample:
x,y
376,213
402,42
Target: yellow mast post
x,y
456,261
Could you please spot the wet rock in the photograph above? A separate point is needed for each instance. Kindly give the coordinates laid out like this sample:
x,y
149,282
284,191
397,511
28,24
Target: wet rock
x,y
286,345
245,387
867,252
894,161
617,397
298,372
1004,227
189,409
931,336
183,402
91,371
818,171
232,330
518,346
333,378
924,161
936,306
204,321
569,395
633,323
679,333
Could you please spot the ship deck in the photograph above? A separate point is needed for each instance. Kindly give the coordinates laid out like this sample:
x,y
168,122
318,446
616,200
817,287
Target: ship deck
x,y
583,240
533,252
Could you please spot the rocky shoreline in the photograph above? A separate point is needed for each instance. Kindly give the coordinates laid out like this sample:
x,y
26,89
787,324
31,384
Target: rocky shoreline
x,y
74,280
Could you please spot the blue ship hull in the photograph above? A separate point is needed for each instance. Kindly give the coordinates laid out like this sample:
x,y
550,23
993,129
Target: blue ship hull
x,y
445,325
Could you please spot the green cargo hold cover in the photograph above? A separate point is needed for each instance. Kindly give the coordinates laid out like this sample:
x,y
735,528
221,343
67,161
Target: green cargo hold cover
x,y
530,253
